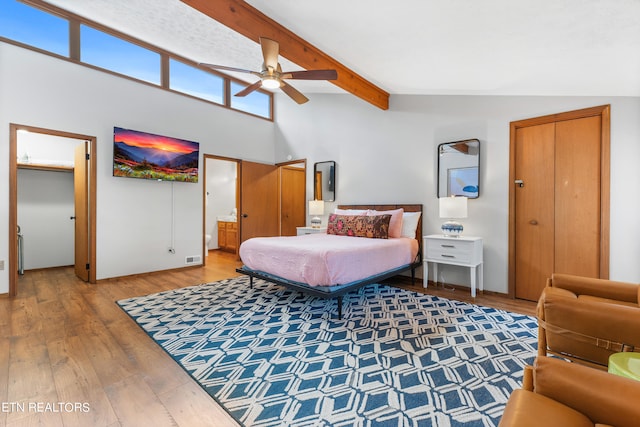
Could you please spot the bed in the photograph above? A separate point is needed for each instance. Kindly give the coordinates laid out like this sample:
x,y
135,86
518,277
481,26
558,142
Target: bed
x,y
330,265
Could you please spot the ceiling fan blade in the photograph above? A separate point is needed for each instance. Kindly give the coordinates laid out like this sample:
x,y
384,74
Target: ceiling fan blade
x,y
247,90
270,51
311,75
225,68
293,93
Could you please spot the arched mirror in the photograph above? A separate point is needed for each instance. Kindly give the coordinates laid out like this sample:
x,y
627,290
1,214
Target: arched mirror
x,y
459,168
324,181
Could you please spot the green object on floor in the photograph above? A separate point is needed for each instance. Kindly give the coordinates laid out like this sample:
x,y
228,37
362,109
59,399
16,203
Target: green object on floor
x,y
625,364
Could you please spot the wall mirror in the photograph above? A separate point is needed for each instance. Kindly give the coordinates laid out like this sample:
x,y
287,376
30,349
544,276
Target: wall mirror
x,y
324,181
459,168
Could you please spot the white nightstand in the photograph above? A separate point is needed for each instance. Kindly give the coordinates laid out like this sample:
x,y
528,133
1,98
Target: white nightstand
x,y
465,251
311,230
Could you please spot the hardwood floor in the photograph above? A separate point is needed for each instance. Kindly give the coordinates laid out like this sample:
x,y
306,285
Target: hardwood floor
x,y
71,357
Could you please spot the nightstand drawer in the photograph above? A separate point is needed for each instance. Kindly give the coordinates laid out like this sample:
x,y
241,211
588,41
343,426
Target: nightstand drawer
x,y
462,250
301,231
452,251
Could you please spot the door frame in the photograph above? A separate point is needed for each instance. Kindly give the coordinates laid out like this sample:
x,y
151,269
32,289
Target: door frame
x,y
13,198
604,111
238,162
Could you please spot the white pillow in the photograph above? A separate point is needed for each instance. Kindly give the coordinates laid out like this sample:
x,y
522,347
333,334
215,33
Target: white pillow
x,y
409,224
351,211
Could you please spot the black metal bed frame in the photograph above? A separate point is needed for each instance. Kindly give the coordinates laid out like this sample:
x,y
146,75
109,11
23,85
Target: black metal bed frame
x,y
325,291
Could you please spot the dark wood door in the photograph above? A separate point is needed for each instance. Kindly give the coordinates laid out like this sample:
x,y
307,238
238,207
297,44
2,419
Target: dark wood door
x,y
258,200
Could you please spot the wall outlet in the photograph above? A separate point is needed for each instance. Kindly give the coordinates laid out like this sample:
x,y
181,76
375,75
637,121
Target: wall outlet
x,y
1,264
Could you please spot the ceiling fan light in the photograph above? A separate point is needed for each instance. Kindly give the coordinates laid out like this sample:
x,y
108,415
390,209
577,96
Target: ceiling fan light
x,y
270,83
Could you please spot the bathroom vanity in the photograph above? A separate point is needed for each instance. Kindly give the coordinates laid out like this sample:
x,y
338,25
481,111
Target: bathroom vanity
x,y
228,236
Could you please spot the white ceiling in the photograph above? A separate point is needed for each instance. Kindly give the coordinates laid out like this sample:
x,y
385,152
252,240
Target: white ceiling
x,y
483,47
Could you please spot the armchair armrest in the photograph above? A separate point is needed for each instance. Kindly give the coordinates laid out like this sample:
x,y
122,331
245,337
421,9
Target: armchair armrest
x,y
602,288
603,397
527,378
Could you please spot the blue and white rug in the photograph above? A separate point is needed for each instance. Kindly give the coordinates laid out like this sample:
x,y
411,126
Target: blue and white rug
x,y
273,357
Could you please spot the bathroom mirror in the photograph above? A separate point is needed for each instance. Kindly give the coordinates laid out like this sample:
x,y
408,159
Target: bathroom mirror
x,y
459,168
324,181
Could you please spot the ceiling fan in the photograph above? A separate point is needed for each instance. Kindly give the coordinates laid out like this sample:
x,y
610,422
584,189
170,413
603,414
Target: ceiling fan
x,y
272,76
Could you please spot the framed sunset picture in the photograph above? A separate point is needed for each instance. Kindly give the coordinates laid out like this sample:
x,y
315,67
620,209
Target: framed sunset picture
x,y
148,156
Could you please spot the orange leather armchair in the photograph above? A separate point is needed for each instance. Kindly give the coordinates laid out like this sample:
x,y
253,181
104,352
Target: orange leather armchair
x,y
586,320
557,393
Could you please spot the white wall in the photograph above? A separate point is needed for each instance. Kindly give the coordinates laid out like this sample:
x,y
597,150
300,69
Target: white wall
x,y
46,149
390,157
134,218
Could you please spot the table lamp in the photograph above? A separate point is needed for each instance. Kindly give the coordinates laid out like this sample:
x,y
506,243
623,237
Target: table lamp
x,y
316,207
452,208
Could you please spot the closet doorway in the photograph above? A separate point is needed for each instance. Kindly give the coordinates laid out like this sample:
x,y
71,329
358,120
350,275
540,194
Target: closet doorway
x,y
558,199
52,197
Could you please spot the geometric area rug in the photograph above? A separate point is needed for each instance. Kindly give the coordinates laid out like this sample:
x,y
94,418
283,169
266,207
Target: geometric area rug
x,y
273,357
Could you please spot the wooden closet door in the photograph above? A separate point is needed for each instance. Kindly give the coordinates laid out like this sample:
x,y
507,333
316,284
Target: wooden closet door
x,y
559,217
81,211
577,197
534,200
293,199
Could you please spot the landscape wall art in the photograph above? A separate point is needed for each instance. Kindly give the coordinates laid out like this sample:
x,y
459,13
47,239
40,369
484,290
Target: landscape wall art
x,y
148,156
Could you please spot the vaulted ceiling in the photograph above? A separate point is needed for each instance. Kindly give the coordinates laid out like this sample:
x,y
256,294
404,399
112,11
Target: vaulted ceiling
x,y
452,47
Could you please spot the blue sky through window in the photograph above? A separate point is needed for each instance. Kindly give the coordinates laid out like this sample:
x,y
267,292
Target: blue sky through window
x,y
34,27
187,79
255,103
112,53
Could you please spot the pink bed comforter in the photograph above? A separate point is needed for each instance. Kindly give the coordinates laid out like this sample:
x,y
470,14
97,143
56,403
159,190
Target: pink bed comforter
x,y
326,259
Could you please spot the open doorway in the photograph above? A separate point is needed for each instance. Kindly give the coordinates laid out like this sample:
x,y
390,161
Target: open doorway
x,y
221,195
52,198
272,199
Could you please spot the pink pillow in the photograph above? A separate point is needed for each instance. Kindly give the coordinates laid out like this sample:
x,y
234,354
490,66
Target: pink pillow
x,y
395,225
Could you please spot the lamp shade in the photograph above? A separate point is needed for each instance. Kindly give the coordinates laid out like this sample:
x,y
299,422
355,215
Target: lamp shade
x,y
316,207
453,207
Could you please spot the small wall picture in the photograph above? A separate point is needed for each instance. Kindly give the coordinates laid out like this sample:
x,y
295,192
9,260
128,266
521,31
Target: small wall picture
x,y
463,182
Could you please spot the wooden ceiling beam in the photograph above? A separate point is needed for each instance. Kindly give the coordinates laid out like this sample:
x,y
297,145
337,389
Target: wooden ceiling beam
x,y
250,22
